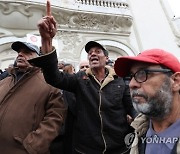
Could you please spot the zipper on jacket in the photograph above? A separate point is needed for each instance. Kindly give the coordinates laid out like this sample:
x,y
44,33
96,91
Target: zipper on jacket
x,y
100,103
79,151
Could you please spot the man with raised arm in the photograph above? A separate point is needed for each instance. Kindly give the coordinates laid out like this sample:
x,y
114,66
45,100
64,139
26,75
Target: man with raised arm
x,y
103,99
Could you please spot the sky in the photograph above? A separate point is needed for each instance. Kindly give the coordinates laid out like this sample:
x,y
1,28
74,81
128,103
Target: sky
x,y
175,5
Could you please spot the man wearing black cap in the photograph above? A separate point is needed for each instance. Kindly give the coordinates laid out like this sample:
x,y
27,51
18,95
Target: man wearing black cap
x,y
103,99
31,111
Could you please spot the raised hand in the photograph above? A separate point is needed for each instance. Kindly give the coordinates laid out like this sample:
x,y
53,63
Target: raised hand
x,y
47,29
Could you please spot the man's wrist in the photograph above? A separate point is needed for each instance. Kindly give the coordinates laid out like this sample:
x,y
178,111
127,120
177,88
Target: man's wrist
x,y
46,46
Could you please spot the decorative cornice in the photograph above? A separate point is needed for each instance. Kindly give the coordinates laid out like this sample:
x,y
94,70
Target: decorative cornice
x,y
4,32
98,23
8,8
69,20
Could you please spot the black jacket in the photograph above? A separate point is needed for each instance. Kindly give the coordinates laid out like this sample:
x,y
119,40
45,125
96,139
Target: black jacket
x,y
101,109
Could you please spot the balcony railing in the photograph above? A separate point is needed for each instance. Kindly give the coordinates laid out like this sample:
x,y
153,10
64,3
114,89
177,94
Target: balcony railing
x,y
104,3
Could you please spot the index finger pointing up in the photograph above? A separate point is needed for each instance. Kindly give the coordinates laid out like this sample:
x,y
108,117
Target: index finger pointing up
x,y
48,8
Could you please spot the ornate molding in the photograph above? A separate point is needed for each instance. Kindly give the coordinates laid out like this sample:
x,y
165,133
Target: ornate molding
x,y
5,33
8,8
20,15
69,40
98,23
70,20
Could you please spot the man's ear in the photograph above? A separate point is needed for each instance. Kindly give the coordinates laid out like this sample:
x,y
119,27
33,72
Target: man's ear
x,y
176,84
107,58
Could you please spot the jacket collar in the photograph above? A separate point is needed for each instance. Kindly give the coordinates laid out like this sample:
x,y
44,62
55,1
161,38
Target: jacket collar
x,y
110,76
110,70
141,124
30,69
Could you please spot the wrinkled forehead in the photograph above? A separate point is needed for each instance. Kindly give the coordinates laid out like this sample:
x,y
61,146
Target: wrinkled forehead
x,y
95,48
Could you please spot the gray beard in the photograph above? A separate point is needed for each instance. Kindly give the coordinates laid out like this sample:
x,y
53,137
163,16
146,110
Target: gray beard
x,y
158,106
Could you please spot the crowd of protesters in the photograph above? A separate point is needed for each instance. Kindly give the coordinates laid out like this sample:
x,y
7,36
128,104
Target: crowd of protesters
x,y
130,105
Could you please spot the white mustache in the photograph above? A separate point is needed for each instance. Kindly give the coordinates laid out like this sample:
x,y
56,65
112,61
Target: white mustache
x,y
135,93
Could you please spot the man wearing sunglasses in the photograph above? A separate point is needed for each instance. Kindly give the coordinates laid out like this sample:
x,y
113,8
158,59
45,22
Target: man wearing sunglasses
x,y
154,81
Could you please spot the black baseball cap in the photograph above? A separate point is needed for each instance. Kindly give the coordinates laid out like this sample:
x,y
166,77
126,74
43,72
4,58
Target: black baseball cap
x,y
18,45
91,44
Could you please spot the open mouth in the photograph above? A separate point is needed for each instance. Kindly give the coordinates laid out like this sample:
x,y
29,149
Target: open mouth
x,y
94,60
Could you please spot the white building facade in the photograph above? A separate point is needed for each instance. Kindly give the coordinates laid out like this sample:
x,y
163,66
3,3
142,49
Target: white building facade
x,y
124,27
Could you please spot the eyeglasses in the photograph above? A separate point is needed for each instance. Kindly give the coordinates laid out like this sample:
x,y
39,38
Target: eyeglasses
x,y
142,75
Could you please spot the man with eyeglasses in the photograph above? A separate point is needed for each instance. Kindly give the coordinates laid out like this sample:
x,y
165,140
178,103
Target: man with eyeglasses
x,y
154,81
